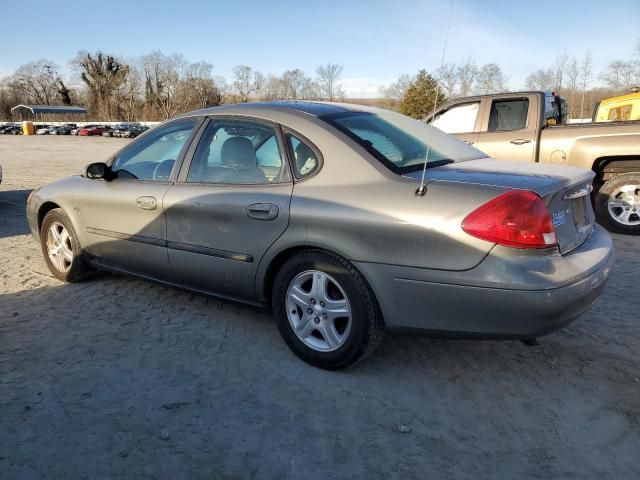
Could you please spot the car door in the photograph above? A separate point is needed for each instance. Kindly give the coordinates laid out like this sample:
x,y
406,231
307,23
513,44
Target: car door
x,y
462,120
509,128
231,202
123,219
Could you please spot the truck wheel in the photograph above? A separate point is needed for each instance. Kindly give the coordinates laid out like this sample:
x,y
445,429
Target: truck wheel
x,y
325,311
618,204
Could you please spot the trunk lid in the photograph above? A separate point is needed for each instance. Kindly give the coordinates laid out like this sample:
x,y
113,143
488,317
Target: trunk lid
x,y
565,190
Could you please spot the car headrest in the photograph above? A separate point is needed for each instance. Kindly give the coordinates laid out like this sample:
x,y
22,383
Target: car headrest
x,y
238,151
303,155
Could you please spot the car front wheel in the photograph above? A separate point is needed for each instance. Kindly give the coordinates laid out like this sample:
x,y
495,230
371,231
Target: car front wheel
x,y
618,204
325,311
61,248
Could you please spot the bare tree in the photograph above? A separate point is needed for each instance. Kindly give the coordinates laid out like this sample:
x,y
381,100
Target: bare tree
x,y
467,74
619,76
573,74
541,80
398,89
447,76
103,75
491,79
560,67
206,90
37,82
585,76
243,82
166,87
328,78
636,62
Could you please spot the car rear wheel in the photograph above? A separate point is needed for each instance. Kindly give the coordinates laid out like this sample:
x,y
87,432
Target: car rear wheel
x,y
618,204
325,311
61,248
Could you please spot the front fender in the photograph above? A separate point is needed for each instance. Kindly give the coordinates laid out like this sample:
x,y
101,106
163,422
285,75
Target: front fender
x,y
59,194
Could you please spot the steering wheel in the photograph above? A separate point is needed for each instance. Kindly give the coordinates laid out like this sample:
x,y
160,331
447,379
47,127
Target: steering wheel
x,y
162,170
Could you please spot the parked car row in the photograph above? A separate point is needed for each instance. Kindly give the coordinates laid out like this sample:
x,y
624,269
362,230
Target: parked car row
x,y
11,129
124,130
55,129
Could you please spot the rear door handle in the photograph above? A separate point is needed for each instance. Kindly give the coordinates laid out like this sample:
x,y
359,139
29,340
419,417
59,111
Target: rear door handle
x,y
146,203
262,211
520,141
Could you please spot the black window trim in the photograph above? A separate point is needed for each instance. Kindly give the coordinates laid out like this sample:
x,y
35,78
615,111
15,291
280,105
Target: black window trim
x,y
181,156
292,157
181,178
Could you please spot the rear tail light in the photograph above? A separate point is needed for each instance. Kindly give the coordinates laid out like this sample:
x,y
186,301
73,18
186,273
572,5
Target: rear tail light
x,y
518,218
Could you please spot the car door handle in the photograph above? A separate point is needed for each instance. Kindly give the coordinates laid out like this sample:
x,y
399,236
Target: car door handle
x,y
520,141
146,203
468,142
262,211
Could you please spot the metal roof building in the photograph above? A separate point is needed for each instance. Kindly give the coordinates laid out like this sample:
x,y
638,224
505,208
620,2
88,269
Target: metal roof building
x,y
39,110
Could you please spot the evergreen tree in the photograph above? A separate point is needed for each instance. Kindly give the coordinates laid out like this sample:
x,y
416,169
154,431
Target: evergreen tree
x,y
419,98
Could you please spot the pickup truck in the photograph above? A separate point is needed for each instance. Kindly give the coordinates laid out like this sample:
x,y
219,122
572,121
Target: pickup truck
x,y
531,127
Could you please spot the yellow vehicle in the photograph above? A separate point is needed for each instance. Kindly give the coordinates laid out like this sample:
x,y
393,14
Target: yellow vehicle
x,y
618,109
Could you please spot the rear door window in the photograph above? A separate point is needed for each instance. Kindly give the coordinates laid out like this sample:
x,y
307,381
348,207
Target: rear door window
x,y
237,152
506,115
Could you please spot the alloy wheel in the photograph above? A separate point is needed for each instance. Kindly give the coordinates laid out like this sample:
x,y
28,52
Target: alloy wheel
x,y
318,311
59,248
624,205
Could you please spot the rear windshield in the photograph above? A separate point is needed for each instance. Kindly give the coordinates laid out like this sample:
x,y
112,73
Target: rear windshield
x,y
401,142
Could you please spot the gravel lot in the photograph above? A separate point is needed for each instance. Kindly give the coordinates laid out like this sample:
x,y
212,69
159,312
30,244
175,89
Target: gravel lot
x,y
118,378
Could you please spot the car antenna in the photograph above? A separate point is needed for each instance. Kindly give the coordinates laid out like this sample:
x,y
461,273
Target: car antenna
x,y
422,189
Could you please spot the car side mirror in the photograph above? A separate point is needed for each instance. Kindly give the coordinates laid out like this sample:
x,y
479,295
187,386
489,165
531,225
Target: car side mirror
x,y
98,170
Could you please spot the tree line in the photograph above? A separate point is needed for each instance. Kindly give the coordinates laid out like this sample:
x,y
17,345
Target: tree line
x,y
157,86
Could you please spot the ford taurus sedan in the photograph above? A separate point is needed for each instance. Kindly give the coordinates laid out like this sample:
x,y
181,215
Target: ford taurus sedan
x,y
320,212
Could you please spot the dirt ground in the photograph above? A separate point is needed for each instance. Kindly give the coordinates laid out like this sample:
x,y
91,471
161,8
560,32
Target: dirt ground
x,y
119,378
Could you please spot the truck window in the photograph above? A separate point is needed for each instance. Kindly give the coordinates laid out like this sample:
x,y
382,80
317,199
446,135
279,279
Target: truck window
x,y
458,119
508,115
621,113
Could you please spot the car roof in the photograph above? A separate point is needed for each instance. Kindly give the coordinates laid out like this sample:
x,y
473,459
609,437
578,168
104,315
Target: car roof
x,y
316,109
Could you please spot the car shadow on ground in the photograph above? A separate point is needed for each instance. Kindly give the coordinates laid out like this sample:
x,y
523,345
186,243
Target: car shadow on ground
x,y
12,212
120,375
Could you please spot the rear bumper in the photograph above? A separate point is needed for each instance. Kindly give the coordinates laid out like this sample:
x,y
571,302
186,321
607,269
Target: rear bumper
x,y
495,303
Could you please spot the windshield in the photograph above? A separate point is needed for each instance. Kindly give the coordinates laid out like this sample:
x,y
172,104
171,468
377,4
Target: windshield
x,y
400,142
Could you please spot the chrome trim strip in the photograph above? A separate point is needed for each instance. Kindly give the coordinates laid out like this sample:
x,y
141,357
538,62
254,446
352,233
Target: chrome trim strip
x,y
583,192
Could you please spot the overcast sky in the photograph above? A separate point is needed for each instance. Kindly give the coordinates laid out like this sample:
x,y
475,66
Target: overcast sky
x,y
375,40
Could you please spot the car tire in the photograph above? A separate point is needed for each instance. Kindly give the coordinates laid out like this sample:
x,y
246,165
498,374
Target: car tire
x,y
313,328
68,264
615,203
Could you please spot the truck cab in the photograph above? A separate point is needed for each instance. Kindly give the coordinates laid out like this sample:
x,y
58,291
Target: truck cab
x,y
504,124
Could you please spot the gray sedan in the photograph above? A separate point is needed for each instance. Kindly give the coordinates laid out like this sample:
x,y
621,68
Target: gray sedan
x,y
345,220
